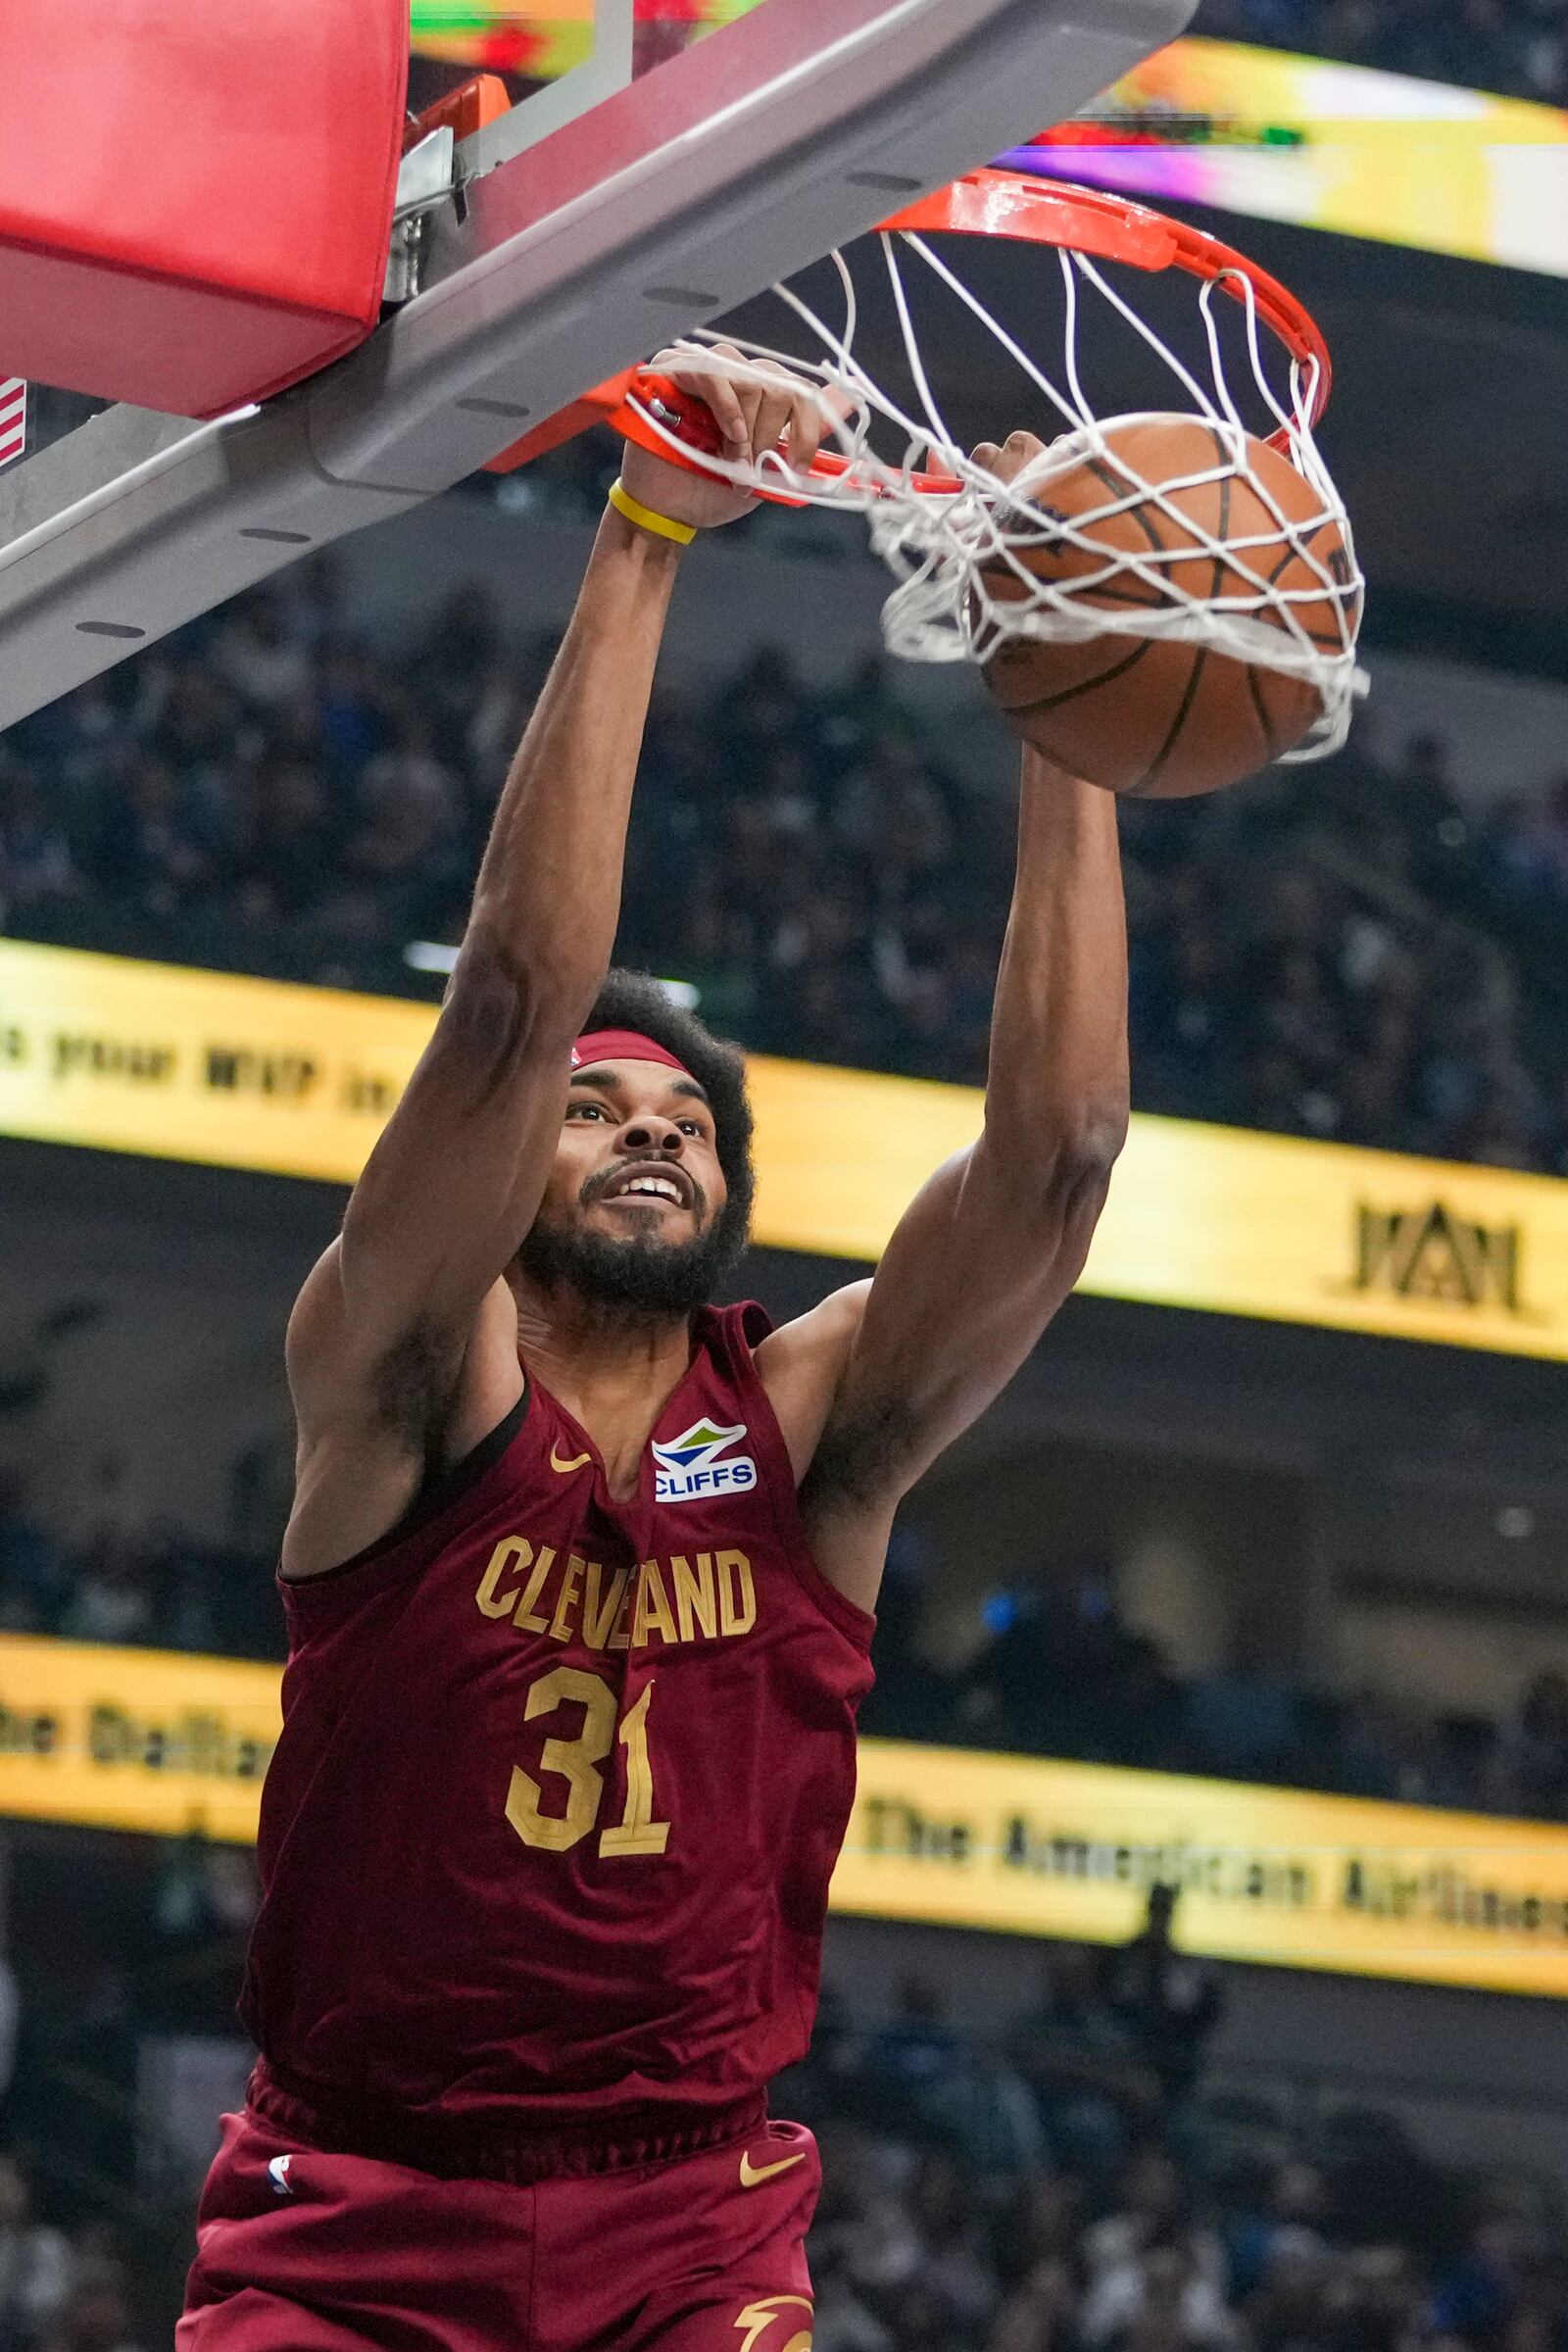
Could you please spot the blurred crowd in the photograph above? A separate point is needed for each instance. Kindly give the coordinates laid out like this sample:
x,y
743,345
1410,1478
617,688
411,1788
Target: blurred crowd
x,y
1342,951
1059,1672
1518,47
60,2290
1054,2195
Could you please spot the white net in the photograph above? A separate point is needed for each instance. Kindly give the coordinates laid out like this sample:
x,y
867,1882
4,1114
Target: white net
x,y
963,551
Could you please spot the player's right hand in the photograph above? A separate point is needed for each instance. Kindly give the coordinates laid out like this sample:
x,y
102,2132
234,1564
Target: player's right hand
x,y
756,405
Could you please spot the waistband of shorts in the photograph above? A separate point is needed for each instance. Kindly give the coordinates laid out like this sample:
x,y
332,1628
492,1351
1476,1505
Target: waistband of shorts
x,y
344,2123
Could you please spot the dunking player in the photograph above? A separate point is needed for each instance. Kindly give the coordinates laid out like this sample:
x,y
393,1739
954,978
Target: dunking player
x,y
579,1584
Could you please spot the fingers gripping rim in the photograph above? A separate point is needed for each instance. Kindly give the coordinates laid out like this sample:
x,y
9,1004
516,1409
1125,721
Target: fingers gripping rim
x,y
945,520
1093,223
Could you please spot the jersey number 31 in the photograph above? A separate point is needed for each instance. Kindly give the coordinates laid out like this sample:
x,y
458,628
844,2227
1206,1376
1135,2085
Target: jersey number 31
x,y
579,1763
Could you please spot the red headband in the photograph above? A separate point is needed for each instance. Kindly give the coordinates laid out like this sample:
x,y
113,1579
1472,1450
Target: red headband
x,y
622,1044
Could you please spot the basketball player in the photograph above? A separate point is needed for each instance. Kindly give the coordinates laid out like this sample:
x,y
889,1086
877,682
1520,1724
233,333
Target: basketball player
x,y
580,1575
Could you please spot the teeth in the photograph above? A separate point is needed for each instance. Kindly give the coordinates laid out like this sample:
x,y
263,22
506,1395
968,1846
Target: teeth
x,y
658,1185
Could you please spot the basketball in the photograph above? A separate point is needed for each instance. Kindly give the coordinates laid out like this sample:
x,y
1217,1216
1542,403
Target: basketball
x,y
1160,718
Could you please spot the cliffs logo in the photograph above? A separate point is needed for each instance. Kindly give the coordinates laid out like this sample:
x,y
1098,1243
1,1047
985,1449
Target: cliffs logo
x,y
1433,1255
689,1466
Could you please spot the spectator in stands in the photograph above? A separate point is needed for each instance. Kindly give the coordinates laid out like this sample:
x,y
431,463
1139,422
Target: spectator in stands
x,y
1094,2093
1288,2307
1489,2280
864,2245
1530,1770
204,1906
1158,2303
96,2314
1155,2276
1280,2223
1168,2003
35,2264
33,1575
917,2055
258,653
9,1989
1376,2301
1244,1723
1039,2314
112,1599
911,1698
37,866
956,2268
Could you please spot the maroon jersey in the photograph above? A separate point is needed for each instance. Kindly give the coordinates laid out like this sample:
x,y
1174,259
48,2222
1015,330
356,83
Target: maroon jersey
x,y
562,1779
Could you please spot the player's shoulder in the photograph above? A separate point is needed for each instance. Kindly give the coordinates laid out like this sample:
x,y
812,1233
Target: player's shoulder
x,y
801,1364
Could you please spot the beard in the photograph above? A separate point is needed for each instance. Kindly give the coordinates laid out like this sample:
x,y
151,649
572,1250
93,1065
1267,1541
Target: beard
x,y
640,1279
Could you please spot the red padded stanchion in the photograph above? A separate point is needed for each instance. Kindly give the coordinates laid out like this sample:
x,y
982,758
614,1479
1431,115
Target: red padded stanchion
x,y
195,202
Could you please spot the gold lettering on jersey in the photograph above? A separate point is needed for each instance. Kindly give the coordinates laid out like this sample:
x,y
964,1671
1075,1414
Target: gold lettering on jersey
x,y
694,1602
620,1632
523,1618
737,1594
560,1621
658,1603
597,1621
652,1607
509,1549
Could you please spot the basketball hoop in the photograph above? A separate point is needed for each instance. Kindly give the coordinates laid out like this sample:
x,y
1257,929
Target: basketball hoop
x,y
957,537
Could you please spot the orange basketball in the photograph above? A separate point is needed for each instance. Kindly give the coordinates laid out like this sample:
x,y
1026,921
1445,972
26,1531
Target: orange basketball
x,y
1155,717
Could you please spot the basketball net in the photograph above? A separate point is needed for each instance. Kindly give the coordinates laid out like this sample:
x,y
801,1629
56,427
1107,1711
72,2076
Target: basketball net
x,y
950,530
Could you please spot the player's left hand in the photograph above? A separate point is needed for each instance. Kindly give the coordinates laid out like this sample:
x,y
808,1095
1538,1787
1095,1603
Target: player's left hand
x,y
755,405
1015,453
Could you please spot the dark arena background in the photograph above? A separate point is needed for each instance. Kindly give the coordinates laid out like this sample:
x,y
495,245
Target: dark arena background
x,y
1254,1584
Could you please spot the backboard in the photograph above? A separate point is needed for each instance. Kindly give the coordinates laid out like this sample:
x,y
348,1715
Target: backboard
x,y
585,227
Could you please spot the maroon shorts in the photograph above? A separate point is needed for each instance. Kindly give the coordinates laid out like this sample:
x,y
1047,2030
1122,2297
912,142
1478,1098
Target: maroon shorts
x,y
303,2251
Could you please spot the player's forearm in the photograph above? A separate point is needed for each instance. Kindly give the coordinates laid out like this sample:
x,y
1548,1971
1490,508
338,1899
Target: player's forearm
x,y
1057,1093
548,896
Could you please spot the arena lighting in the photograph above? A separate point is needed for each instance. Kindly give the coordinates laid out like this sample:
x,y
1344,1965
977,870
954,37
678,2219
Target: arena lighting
x,y
429,955
432,955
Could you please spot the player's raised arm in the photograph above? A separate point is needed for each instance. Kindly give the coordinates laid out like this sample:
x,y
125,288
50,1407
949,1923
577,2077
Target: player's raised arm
x,y
992,1245
454,1181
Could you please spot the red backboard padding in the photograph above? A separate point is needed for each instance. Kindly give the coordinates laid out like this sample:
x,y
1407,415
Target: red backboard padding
x,y
195,201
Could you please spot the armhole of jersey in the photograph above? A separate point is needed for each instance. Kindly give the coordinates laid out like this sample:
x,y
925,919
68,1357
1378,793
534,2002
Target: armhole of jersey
x,y
435,1498
744,1328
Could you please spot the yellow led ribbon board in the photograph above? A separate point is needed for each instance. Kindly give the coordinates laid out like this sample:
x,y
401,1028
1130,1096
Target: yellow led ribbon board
x,y
161,1742
238,1074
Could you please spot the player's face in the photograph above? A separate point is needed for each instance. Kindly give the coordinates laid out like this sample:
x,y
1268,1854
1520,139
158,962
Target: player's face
x,y
637,1157
630,1215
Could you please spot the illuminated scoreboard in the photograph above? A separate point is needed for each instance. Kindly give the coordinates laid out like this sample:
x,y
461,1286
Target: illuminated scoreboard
x,y
1327,146
1253,131
540,44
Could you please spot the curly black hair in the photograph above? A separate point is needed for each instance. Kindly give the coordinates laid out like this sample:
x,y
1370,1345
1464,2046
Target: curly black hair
x,y
636,1001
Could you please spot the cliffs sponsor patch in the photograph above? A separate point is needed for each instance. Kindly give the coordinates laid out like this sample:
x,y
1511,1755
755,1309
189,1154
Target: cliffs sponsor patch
x,y
697,1463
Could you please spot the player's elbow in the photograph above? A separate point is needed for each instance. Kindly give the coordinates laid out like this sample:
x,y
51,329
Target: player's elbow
x,y
504,1008
1078,1170
1065,1159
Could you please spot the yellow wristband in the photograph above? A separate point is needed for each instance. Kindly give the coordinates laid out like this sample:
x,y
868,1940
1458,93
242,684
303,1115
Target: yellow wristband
x,y
647,521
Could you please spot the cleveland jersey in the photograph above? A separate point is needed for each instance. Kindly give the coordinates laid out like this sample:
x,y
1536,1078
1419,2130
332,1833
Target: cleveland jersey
x,y
562,1779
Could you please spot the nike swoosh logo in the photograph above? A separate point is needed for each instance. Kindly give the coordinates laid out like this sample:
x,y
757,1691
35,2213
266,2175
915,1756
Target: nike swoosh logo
x,y
576,1462
752,2174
